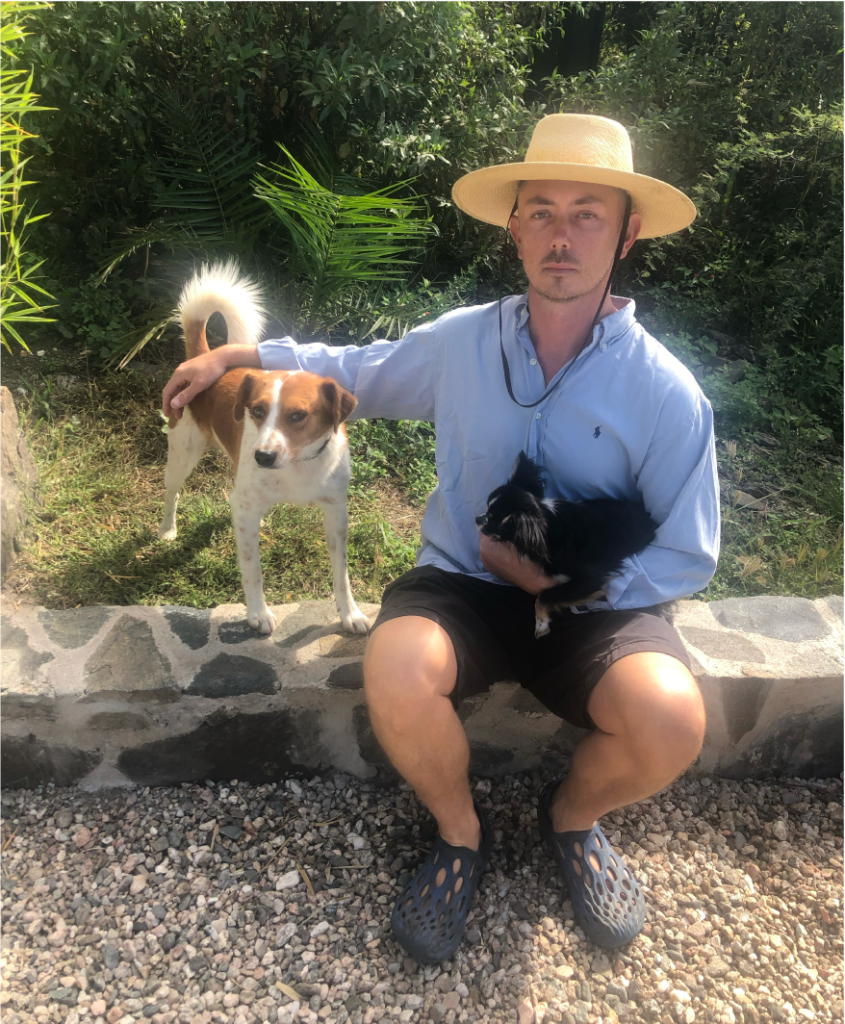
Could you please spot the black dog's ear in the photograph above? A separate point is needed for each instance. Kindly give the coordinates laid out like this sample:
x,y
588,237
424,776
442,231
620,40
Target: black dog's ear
x,y
528,475
529,537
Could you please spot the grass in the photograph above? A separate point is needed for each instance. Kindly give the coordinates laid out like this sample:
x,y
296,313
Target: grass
x,y
781,520
101,454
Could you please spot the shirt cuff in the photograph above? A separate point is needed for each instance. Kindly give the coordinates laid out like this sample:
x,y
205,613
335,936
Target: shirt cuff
x,y
278,354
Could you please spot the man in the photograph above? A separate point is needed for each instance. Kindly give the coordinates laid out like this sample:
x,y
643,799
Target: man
x,y
568,375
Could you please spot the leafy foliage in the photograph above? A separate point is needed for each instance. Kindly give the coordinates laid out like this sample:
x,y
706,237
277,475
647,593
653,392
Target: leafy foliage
x,y
201,194
21,295
741,107
342,243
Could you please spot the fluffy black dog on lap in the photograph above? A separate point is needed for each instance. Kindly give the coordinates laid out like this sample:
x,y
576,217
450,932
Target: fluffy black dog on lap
x,y
582,544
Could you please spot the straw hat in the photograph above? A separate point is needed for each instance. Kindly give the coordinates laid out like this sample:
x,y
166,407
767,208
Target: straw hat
x,y
575,147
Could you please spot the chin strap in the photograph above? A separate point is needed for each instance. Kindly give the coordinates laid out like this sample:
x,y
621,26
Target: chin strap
x,y
616,258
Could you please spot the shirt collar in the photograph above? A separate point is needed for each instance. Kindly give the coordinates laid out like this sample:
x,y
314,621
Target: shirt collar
x,y
608,329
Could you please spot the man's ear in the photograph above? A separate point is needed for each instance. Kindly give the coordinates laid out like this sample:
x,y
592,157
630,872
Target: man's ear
x,y
243,396
340,401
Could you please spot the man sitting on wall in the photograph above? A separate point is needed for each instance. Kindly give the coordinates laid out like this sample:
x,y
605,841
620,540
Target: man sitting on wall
x,y
569,376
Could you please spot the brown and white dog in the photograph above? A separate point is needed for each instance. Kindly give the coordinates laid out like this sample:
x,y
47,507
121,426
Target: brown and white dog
x,y
282,430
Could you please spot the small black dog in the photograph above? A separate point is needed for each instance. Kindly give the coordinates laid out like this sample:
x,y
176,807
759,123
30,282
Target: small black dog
x,y
579,543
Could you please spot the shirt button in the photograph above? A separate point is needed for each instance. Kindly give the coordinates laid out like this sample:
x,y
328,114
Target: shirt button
x,y
539,414
533,362
603,346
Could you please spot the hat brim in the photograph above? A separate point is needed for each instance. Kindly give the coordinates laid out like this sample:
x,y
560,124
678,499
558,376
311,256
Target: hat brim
x,y
489,194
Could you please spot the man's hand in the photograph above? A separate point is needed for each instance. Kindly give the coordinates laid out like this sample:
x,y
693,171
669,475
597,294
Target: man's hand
x,y
502,560
199,373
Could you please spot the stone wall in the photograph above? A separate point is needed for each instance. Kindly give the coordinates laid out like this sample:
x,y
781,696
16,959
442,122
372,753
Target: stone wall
x,y
18,478
120,696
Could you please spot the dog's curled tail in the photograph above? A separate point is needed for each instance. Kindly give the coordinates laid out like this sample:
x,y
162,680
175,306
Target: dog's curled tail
x,y
220,288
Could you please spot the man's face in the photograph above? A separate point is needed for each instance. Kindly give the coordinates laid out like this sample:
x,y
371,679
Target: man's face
x,y
566,234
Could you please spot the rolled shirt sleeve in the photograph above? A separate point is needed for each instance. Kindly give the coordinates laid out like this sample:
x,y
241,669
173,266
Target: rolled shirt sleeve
x,y
394,380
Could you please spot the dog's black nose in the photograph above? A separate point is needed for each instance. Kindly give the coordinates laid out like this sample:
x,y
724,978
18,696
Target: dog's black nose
x,y
264,458
481,520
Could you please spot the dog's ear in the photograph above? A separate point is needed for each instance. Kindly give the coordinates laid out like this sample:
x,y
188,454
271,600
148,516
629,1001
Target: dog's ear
x,y
243,396
340,401
529,536
528,475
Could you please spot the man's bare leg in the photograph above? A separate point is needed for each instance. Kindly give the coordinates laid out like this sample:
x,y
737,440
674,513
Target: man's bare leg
x,y
649,719
409,672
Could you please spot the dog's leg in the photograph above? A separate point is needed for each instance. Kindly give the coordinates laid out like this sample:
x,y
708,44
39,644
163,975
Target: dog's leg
x,y
246,518
336,522
577,590
185,445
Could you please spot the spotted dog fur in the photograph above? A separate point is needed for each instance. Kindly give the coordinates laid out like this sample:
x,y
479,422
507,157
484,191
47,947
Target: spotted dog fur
x,y
283,432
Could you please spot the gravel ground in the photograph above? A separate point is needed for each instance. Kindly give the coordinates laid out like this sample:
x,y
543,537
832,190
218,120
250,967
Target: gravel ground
x,y
237,903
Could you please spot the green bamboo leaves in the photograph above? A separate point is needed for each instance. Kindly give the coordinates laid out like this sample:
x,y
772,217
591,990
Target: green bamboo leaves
x,y
21,297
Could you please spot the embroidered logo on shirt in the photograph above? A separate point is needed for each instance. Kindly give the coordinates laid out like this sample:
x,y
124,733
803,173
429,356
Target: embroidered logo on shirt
x,y
597,432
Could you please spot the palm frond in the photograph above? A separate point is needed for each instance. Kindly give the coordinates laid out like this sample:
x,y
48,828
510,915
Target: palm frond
x,y
206,203
341,241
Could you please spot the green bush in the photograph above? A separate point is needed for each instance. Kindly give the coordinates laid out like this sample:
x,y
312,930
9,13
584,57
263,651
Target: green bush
x,y
163,109
740,106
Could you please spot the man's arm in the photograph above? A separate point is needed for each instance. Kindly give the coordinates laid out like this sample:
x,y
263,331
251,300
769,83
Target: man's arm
x,y
394,380
501,559
199,373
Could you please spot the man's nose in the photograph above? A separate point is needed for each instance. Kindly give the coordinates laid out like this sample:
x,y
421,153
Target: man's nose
x,y
265,458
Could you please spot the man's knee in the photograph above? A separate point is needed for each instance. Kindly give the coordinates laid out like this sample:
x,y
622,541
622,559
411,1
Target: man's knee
x,y
408,661
654,703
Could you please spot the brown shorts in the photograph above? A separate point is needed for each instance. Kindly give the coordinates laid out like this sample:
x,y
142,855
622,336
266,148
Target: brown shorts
x,y
492,630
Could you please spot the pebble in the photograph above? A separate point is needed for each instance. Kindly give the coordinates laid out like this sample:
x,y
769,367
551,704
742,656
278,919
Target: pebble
x,y
122,907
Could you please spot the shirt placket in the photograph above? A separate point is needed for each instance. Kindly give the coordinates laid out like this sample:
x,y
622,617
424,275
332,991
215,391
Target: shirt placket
x,y
539,419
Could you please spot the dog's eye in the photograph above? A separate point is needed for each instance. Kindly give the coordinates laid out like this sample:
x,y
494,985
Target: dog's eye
x,y
259,412
297,417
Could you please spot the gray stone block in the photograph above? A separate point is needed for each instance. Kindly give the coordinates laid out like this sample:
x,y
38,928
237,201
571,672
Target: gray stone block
x,y
228,745
26,761
18,661
721,644
128,659
230,675
239,632
74,627
347,677
191,625
783,618
307,618
743,700
836,603
802,745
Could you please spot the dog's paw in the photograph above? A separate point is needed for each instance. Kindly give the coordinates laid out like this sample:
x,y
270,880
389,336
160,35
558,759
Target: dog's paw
x,y
355,621
167,534
264,620
541,627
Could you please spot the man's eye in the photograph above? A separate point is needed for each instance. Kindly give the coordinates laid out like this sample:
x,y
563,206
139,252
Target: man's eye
x,y
259,412
297,417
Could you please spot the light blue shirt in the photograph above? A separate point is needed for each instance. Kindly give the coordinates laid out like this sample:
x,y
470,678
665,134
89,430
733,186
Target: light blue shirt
x,y
627,421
